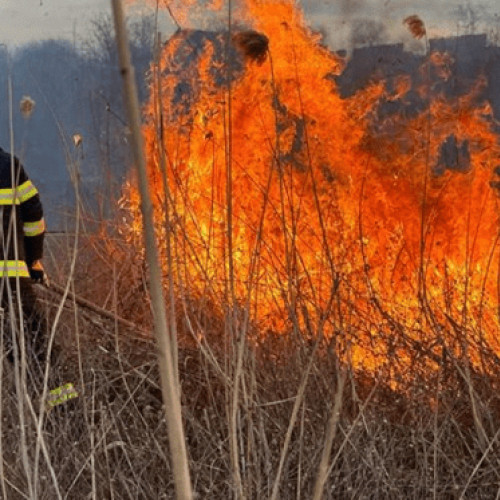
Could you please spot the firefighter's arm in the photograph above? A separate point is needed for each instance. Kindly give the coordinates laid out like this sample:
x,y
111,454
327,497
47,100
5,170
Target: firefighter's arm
x,y
31,212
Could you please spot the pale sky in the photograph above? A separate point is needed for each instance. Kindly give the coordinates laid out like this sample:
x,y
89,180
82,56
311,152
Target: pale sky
x,y
23,21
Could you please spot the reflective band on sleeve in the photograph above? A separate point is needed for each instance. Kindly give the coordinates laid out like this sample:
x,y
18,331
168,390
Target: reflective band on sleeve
x,y
7,197
11,196
61,394
34,228
13,268
26,191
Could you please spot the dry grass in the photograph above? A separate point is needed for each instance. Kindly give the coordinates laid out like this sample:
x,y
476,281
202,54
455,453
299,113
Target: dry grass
x,y
420,442
423,442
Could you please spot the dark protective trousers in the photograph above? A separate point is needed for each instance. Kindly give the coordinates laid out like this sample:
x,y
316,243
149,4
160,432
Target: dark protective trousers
x,y
33,327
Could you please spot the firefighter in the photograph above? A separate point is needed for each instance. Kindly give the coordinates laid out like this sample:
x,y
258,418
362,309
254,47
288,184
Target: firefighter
x,y
23,230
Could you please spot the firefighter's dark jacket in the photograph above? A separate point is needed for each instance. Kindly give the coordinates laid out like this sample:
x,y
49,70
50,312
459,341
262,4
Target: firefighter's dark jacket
x,y
23,226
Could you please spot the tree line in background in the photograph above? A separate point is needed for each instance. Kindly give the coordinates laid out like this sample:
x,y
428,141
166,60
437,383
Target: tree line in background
x,y
78,123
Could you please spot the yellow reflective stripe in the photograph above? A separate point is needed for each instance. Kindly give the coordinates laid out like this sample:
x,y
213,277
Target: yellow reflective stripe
x,y
61,394
12,196
26,191
7,197
34,228
13,268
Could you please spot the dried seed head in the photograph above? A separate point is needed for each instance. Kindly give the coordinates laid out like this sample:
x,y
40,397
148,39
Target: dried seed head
x,y
77,140
253,45
27,106
416,26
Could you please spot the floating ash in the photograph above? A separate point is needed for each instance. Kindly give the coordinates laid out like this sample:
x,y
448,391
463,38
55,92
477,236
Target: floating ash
x,y
416,26
253,45
77,140
27,106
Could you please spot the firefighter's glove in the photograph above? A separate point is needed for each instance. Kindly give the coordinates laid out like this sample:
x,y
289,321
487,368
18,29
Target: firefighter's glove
x,y
37,273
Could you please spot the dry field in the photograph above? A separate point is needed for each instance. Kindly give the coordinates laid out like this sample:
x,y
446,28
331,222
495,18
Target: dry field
x,y
434,438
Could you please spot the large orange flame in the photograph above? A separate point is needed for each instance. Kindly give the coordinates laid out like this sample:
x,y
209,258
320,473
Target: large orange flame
x,y
333,221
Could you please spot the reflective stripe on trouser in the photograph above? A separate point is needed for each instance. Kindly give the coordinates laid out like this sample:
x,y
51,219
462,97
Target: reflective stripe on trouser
x,y
13,268
15,196
61,394
34,228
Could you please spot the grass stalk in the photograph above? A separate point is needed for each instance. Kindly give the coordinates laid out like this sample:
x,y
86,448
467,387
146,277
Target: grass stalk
x,y
20,364
331,431
168,377
299,398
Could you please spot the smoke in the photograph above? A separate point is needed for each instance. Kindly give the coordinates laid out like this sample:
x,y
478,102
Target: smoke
x,y
367,32
348,24
349,9
187,14
345,24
